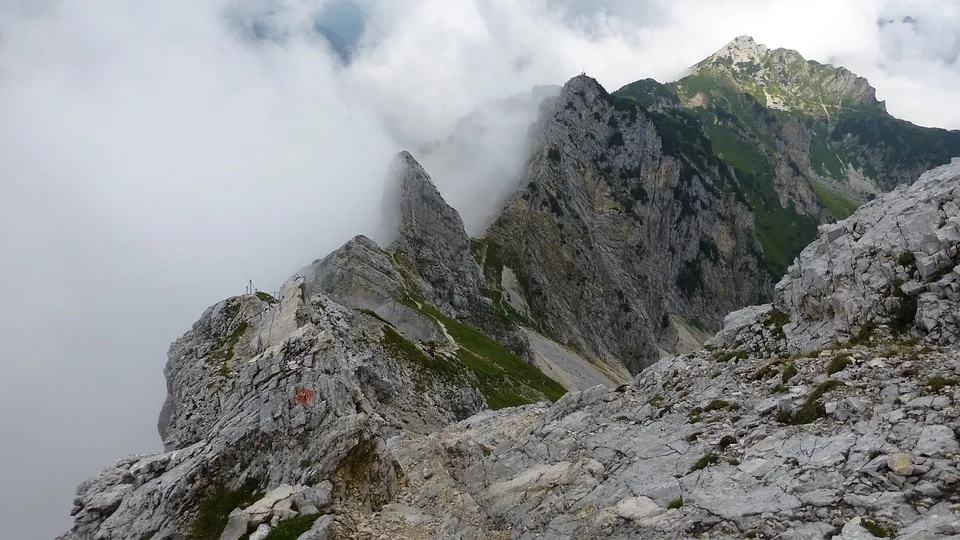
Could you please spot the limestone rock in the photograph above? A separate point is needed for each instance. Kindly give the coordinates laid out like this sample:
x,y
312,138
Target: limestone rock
x,y
434,242
864,275
616,239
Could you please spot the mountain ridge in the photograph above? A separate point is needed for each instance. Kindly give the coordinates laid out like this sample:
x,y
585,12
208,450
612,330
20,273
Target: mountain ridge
x,y
547,379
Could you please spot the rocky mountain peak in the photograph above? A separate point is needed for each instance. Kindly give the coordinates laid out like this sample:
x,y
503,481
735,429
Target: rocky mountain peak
x,y
740,50
783,79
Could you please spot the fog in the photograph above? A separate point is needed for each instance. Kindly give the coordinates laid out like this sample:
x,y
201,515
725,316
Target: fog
x,y
156,156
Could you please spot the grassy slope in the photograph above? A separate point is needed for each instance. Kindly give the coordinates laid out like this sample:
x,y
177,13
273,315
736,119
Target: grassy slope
x,y
781,231
504,379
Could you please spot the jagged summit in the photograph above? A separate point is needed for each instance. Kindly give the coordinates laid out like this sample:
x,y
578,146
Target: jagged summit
x,y
434,242
783,79
741,49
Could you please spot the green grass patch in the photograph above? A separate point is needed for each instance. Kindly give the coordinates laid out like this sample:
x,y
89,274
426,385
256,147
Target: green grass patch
x,y
865,334
216,507
223,349
400,347
503,377
267,297
823,158
938,383
840,206
812,409
291,529
878,530
838,364
704,462
788,371
720,405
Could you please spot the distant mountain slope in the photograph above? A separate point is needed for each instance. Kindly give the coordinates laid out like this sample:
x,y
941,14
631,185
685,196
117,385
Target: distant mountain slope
x,y
627,235
807,141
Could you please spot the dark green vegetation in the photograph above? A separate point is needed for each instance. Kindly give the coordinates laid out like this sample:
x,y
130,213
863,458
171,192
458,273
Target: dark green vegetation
x,y
838,364
223,346
896,141
704,462
936,384
720,405
675,503
292,528
812,409
878,530
788,372
216,507
503,378
266,297
903,319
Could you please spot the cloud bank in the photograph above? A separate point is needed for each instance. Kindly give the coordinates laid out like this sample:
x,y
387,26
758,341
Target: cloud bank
x,y
156,156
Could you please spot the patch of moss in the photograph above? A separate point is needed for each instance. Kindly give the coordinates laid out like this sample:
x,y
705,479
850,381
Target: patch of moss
x,y
291,529
675,503
223,350
719,405
216,507
878,530
907,259
865,334
704,462
777,319
267,297
812,409
788,372
838,364
936,384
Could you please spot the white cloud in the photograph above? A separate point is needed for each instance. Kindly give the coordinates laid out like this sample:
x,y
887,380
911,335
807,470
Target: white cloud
x,y
155,157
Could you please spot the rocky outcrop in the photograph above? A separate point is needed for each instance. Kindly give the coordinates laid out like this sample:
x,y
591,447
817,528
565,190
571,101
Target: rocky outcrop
x,y
269,392
616,229
889,270
701,446
434,243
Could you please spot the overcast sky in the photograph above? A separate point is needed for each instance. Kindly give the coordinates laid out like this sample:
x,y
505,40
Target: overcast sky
x,y
155,157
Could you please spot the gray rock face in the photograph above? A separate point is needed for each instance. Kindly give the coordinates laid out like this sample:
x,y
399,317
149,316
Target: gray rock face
x,y
289,395
361,275
434,243
611,233
889,270
691,450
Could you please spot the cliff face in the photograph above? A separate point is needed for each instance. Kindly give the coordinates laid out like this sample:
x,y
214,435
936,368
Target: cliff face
x,y
621,236
808,142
